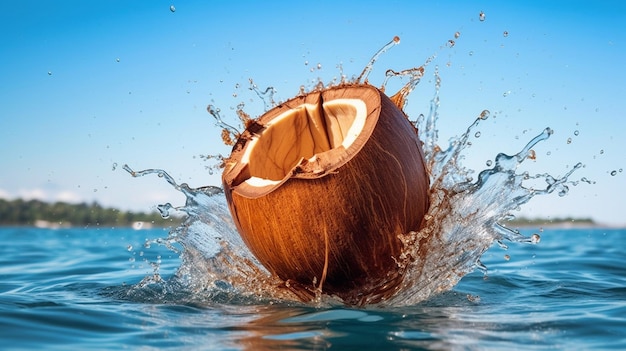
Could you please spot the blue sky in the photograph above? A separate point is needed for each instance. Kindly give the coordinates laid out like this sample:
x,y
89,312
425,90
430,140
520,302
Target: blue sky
x,y
87,85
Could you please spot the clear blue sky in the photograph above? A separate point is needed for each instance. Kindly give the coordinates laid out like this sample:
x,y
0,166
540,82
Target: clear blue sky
x,y
85,85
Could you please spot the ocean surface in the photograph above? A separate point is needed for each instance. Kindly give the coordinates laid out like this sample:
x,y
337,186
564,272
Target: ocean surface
x,y
80,289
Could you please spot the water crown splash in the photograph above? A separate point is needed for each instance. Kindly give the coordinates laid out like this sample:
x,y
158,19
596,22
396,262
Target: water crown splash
x,y
464,219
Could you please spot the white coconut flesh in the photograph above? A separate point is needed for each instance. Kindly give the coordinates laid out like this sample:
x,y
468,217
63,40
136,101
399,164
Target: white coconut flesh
x,y
302,133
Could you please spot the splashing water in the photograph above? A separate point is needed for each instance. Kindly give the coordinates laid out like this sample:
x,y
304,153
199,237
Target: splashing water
x,y
464,219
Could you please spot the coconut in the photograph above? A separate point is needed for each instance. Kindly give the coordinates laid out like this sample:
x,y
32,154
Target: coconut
x,y
321,186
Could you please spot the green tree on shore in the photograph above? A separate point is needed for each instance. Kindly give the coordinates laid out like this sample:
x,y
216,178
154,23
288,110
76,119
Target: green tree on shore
x,y
29,212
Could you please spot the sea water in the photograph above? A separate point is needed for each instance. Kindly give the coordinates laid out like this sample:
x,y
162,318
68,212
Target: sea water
x,y
70,289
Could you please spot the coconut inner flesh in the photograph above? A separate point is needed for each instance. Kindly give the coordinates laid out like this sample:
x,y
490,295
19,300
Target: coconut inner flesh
x,y
302,133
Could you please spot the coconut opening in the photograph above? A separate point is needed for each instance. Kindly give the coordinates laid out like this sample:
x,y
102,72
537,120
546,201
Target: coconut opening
x,y
302,133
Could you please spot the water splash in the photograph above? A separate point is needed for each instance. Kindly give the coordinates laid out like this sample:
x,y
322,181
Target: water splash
x,y
465,218
267,96
368,68
216,265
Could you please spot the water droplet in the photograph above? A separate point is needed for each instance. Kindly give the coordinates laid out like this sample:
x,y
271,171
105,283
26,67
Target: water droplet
x,y
620,170
613,173
129,248
531,154
471,53
535,238
563,190
477,134
114,166
95,190
481,16
507,257
484,115
506,33
588,181
117,59
172,8
451,43
506,93
489,163
306,63
319,66
569,140
576,132
549,153
49,73
601,151
457,35
473,298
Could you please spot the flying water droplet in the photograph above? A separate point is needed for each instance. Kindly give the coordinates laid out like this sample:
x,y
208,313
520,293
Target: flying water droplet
x,y
457,35
484,115
613,173
576,132
535,238
506,33
477,134
164,210
489,163
569,140
172,8
114,166
481,16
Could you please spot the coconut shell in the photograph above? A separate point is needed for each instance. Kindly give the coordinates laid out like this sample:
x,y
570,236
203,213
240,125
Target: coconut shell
x,y
321,186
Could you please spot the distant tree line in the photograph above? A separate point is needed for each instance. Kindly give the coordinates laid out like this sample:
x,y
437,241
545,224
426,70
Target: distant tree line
x,y
522,221
32,212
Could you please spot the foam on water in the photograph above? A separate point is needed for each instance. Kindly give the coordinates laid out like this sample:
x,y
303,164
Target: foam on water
x,y
465,217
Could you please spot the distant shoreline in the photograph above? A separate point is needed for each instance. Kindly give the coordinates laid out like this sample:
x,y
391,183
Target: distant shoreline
x,y
135,226
559,224
39,214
